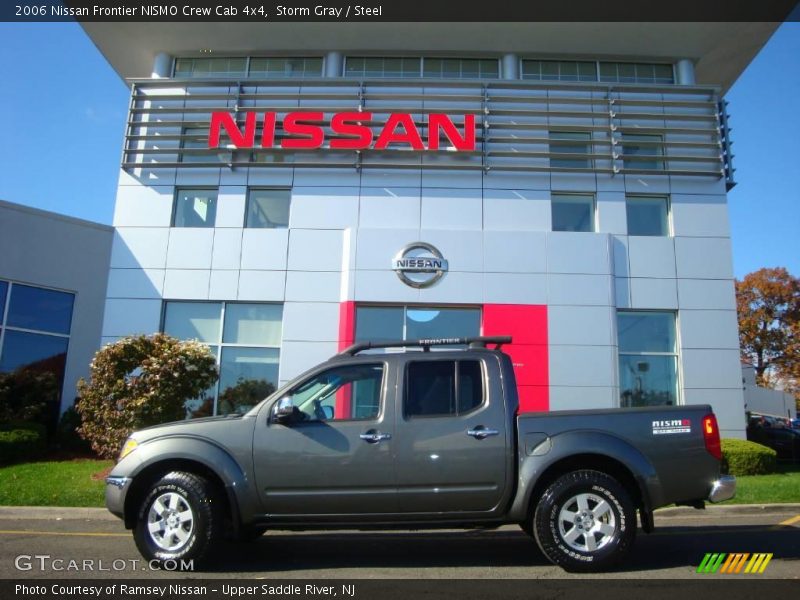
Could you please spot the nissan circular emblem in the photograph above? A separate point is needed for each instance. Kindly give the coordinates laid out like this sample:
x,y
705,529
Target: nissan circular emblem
x,y
419,265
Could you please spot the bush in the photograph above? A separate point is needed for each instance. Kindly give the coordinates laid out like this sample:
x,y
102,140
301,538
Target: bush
x,y
740,457
140,381
21,441
25,394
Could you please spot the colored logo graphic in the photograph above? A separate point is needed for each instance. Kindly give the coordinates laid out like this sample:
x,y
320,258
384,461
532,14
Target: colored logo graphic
x,y
735,563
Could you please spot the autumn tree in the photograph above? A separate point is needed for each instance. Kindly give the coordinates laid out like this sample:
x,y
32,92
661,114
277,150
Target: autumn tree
x,y
768,307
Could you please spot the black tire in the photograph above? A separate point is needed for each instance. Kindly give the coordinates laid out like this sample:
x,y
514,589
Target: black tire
x,y
585,521
187,521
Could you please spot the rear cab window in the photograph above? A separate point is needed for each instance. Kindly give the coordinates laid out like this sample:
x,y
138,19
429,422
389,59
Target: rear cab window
x,y
442,388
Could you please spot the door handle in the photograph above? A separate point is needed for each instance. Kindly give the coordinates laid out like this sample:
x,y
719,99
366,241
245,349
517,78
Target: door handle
x,y
481,432
375,437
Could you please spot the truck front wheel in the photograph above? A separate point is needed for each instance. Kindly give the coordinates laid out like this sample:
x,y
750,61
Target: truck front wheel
x,y
585,521
180,520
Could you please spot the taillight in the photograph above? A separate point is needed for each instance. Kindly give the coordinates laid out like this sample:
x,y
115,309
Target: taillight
x,y
711,436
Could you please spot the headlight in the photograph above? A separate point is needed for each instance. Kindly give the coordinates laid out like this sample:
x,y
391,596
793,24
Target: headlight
x,y
129,446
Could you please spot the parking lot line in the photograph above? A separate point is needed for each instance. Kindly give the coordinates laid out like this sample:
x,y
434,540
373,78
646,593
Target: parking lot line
x,y
791,521
67,533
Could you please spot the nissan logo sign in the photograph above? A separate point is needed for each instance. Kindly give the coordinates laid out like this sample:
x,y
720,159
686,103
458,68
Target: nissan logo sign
x,y
419,265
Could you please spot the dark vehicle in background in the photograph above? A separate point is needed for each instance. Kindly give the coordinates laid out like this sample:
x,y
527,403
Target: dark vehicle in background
x,y
775,433
416,440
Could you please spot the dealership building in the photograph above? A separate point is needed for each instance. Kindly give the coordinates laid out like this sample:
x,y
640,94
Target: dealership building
x,y
588,218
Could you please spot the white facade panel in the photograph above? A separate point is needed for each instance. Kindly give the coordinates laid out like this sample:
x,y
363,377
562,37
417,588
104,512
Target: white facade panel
x,y
700,215
651,256
135,283
324,207
262,286
515,288
709,329
139,247
728,406
455,208
190,248
227,250
711,368
144,206
456,288
462,249
375,248
580,290
315,250
313,286
514,252
707,293
389,208
297,357
125,317
310,321
382,286
186,284
653,293
230,206
515,210
611,213
264,249
580,325
704,258
582,366
569,252
223,285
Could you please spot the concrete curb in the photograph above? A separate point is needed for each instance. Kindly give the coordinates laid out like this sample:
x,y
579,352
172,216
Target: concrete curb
x,y
728,509
57,513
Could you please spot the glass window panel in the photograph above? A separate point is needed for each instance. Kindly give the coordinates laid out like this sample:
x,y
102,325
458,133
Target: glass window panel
x,y
379,323
432,67
451,68
393,67
488,68
193,321
470,385
430,389
646,331
411,67
443,322
568,71
645,73
40,309
354,66
631,148
247,376
608,71
531,69
195,144
663,73
549,69
476,68
648,380
253,324
647,216
572,212
343,393
183,67
3,293
34,351
373,67
268,209
587,71
571,163
195,208
626,72
203,406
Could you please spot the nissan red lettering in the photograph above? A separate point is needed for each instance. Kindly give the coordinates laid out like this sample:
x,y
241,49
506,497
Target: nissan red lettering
x,y
304,130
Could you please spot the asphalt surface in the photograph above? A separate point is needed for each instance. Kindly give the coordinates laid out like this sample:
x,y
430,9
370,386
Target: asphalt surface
x,y
91,544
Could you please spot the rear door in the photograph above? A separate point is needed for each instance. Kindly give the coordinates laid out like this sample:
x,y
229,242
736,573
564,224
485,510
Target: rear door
x,y
451,442
336,460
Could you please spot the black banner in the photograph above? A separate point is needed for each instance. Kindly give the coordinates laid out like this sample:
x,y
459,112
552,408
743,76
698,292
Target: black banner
x,y
392,589
401,10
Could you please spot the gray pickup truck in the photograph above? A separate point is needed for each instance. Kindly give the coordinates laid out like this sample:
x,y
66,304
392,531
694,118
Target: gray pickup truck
x,y
416,439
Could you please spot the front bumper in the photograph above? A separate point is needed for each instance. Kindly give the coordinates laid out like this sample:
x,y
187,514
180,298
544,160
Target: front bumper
x,y
723,489
116,488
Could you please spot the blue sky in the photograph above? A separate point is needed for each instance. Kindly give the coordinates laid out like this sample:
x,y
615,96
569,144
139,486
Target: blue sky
x,y
66,108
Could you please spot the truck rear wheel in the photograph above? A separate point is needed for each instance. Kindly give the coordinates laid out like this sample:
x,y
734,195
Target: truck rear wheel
x,y
585,521
180,519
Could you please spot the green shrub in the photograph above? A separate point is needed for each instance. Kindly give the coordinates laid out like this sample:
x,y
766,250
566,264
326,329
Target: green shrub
x,y
21,441
67,436
740,457
140,381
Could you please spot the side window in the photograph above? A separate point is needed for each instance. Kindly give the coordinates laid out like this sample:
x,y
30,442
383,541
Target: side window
x,y
440,388
340,394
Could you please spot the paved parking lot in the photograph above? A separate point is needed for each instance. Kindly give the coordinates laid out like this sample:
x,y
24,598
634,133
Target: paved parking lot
x,y
100,547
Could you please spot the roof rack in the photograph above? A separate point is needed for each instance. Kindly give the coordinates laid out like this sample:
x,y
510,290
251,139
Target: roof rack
x,y
425,344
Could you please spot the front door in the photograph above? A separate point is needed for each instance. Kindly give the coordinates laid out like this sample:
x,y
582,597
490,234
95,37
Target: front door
x,y
335,456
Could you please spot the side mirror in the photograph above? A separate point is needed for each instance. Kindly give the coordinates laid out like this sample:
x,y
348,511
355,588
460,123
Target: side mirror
x,y
284,410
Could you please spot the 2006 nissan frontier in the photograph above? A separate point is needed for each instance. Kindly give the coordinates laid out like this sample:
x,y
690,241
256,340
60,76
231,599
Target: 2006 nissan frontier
x,y
416,440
